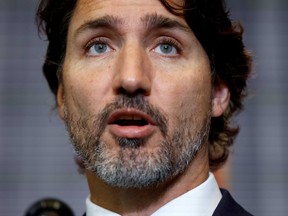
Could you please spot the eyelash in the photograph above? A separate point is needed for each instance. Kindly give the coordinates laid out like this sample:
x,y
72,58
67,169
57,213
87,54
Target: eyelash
x,y
94,41
172,42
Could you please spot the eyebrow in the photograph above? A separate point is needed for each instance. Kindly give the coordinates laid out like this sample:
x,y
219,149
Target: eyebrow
x,y
150,22
106,21
155,21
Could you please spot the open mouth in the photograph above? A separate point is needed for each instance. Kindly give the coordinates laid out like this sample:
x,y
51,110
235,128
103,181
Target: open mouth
x,y
130,117
131,121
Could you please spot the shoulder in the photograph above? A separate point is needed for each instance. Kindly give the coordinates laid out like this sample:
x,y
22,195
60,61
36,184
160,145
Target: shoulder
x,y
228,206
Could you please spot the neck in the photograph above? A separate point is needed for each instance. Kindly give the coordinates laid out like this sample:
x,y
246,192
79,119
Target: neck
x,y
146,201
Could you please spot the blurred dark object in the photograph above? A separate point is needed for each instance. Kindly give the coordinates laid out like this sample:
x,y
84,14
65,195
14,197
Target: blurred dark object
x,y
49,207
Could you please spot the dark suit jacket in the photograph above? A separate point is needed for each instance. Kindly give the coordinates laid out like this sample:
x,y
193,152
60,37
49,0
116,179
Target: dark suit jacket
x,y
227,207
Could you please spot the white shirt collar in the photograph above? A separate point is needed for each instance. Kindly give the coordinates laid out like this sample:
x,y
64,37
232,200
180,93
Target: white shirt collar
x,y
201,201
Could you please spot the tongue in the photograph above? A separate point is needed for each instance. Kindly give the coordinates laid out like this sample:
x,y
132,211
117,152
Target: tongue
x,y
126,122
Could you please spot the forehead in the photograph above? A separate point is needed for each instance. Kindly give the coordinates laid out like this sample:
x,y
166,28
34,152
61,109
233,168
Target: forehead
x,y
140,4
133,10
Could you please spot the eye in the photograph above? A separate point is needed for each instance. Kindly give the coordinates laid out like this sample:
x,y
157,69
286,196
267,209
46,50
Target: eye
x,y
167,47
97,47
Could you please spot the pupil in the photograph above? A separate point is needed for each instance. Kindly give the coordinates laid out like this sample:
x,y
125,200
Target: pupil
x,y
166,48
100,48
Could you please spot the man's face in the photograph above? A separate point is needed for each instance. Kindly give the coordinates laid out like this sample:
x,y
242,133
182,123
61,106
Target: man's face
x,y
136,93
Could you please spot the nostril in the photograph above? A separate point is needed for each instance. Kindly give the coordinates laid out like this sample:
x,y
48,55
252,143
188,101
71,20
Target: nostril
x,y
139,91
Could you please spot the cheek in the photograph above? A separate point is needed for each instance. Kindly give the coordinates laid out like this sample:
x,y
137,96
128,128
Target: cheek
x,y
192,100
185,97
185,86
85,93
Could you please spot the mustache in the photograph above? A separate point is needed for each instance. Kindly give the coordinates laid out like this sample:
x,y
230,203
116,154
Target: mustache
x,y
137,102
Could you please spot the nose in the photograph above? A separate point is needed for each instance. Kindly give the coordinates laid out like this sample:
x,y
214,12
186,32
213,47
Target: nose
x,y
133,71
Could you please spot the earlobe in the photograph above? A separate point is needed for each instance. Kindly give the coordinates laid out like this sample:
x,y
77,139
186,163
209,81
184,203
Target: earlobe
x,y
220,100
60,101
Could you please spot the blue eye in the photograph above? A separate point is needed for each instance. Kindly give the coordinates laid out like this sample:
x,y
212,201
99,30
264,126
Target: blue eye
x,y
166,49
98,48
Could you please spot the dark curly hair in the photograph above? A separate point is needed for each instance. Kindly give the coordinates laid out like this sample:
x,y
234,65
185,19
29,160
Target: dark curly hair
x,y
210,22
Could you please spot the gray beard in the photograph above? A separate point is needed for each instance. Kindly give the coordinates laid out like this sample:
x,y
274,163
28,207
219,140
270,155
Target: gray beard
x,y
134,166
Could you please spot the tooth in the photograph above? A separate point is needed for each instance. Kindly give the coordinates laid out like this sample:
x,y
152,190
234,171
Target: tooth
x,y
130,118
126,118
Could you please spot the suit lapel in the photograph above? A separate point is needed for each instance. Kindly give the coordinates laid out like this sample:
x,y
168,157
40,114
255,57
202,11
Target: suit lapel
x,y
228,206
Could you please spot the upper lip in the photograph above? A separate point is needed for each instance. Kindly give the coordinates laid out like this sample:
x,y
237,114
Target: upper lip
x,y
129,114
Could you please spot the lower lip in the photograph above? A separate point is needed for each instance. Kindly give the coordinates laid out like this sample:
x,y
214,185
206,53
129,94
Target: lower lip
x,y
132,132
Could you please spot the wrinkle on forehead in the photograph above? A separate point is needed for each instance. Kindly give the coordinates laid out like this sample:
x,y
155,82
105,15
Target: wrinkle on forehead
x,y
88,10
90,5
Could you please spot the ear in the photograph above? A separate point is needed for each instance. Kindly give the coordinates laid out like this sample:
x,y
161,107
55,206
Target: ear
x,y
60,101
220,99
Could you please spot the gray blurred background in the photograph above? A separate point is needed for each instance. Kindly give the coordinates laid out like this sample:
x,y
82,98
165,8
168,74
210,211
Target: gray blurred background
x,y
36,160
